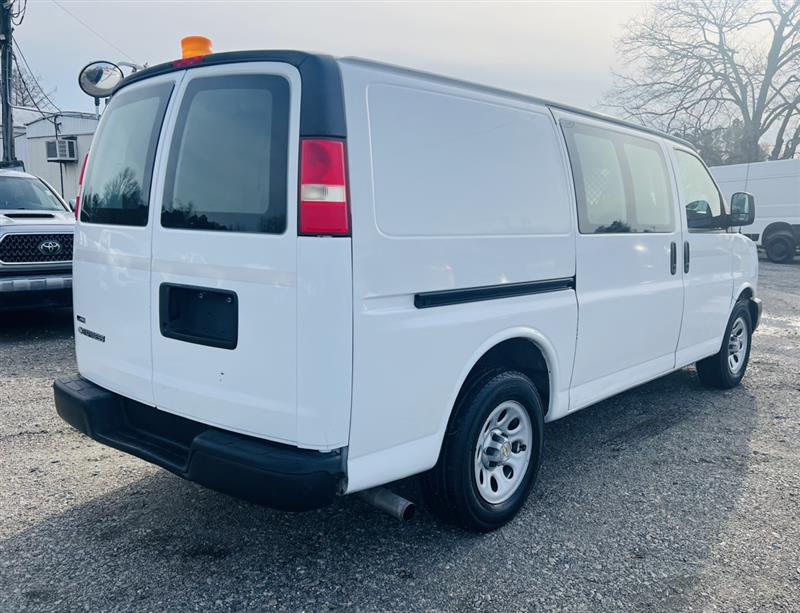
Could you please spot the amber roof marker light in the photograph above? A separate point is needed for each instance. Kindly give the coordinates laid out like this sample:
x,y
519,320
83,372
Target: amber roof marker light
x,y
195,46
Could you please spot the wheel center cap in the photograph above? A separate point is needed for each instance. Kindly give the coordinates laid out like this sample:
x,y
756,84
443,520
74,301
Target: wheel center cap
x,y
496,449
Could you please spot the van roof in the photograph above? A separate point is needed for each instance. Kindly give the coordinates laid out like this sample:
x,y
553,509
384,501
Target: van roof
x,y
516,95
318,73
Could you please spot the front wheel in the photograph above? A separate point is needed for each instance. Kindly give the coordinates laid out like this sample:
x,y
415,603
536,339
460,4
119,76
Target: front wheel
x,y
725,369
491,453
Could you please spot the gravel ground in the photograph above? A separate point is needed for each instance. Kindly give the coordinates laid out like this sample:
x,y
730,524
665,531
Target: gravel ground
x,y
667,497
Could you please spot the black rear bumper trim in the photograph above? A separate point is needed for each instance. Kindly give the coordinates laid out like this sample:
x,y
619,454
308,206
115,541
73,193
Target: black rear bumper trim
x,y
274,475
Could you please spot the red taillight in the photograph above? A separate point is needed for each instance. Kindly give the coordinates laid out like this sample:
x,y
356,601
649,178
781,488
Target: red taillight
x,y
323,188
80,186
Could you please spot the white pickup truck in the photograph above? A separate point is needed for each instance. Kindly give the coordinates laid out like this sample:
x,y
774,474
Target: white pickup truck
x,y
36,228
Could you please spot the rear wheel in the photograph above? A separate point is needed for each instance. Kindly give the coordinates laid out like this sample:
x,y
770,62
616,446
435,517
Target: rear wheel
x,y
780,248
726,369
491,454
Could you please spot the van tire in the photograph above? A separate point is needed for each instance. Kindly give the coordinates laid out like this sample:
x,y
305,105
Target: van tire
x,y
450,488
780,248
716,371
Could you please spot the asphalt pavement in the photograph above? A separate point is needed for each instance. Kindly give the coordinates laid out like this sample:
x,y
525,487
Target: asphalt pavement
x,y
669,497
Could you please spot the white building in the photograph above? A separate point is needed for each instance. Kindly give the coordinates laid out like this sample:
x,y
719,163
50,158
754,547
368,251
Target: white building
x,y
57,161
22,116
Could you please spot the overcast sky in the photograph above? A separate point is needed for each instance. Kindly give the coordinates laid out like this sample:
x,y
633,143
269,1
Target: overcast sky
x,y
558,50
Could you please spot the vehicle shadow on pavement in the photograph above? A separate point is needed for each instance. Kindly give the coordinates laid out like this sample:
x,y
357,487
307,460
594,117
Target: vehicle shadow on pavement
x,y
632,496
17,326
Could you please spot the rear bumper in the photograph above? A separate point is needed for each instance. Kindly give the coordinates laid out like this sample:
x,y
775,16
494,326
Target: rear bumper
x,y
274,475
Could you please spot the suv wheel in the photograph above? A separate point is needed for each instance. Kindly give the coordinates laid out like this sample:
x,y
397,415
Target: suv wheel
x,y
780,248
491,453
726,369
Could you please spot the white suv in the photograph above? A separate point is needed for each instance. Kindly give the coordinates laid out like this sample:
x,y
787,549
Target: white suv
x,y
35,244
299,276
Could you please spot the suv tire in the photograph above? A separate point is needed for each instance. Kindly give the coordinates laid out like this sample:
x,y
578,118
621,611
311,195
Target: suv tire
x,y
491,453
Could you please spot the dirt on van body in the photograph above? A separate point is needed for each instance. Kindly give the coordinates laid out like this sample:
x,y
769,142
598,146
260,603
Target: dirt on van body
x,y
667,497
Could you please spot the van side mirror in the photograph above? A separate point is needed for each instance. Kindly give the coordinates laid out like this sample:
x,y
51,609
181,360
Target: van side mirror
x,y
71,204
99,79
743,209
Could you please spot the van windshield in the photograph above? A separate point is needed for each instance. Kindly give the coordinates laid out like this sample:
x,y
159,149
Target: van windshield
x,y
25,194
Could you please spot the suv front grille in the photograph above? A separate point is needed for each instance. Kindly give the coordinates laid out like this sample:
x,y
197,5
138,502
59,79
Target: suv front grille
x,y
35,248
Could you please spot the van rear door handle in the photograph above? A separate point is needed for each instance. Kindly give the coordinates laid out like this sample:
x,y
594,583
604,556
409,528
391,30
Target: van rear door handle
x,y
685,256
673,258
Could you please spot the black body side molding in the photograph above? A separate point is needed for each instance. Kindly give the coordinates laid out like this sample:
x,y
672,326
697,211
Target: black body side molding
x,y
425,300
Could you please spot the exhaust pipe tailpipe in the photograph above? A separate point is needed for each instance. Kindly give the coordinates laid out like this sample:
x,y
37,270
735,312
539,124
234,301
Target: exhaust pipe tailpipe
x,y
389,502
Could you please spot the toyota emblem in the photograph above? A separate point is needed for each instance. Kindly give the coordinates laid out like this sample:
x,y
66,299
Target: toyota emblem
x,y
50,247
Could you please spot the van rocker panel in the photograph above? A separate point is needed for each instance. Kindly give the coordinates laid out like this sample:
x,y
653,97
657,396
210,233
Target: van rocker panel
x,y
270,474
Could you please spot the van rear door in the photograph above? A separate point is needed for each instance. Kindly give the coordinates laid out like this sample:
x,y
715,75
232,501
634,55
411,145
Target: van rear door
x,y
111,269
224,251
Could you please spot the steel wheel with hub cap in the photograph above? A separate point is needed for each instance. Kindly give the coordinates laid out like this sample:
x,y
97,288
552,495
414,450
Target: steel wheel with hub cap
x,y
491,454
738,342
503,452
726,368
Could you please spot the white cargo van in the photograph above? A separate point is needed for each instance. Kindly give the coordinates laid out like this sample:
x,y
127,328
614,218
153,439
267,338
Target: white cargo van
x,y
776,186
298,277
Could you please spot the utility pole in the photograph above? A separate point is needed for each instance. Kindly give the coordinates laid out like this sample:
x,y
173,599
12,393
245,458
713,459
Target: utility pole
x,y
5,80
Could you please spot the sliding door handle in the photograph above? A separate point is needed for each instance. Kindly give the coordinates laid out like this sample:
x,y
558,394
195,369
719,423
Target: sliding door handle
x,y
685,256
673,258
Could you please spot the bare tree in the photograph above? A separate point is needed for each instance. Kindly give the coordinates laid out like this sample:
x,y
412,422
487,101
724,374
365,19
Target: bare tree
x,y
694,67
26,91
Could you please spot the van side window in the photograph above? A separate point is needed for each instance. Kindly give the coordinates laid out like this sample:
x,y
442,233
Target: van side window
x,y
701,198
652,195
603,203
227,168
116,189
621,181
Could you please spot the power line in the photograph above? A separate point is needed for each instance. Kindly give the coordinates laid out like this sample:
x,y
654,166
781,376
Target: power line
x,y
18,15
92,30
28,89
33,76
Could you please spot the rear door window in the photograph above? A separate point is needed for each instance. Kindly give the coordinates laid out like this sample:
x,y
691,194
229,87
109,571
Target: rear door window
x,y
116,188
227,169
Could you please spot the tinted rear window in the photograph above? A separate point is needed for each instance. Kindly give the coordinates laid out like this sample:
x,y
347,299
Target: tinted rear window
x,y
228,158
116,189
